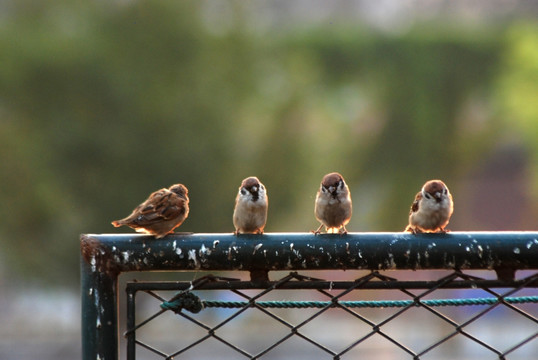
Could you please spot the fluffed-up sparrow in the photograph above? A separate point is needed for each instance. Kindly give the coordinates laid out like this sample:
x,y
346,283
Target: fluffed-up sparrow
x,y
250,212
432,208
161,213
333,204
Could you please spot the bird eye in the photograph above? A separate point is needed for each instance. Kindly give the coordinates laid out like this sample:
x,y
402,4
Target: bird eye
x,y
243,191
427,196
444,191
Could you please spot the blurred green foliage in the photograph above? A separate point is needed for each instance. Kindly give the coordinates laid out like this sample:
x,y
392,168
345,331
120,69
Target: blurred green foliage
x,y
518,89
103,102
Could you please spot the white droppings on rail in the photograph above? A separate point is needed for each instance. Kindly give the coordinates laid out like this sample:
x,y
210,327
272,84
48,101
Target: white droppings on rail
x,y
192,256
204,251
480,251
256,248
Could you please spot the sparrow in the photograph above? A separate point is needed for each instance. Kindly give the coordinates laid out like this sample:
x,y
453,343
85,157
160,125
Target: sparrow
x,y
432,208
333,204
162,212
250,212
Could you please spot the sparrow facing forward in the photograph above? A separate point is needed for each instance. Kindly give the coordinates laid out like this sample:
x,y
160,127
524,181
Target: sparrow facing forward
x,y
161,213
250,212
333,204
432,208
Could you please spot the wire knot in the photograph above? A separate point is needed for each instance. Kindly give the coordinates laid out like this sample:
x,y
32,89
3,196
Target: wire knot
x,y
187,301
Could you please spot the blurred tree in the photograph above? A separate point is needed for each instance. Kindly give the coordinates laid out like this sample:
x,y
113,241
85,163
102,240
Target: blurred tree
x,y
518,88
103,102
406,128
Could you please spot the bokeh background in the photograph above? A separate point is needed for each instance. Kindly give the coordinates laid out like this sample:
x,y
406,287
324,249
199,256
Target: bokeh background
x,y
103,102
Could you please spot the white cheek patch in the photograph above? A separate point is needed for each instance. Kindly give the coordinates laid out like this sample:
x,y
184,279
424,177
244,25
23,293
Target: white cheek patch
x,y
432,204
322,199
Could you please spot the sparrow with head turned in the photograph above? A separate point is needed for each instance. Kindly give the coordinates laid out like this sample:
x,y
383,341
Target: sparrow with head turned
x,y
162,212
432,208
333,204
250,212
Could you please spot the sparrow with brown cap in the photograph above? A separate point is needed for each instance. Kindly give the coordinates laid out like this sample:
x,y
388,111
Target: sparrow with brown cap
x,y
162,212
432,208
251,202
333,204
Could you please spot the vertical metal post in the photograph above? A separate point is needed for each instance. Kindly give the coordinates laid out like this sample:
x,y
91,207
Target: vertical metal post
x,y
131,322
99,313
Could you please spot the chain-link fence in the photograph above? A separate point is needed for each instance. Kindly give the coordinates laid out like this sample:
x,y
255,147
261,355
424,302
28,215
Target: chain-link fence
x,y
429,313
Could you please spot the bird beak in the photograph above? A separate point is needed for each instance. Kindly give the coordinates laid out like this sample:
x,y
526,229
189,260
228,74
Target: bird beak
x,y
438,196
254,189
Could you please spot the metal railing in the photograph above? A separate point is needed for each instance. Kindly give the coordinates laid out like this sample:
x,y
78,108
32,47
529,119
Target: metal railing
x,y
105,257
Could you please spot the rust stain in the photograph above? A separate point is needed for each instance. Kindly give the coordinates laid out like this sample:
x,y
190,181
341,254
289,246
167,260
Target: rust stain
x,y
100,257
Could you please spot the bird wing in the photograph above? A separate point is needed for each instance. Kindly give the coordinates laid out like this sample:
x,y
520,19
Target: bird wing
x,y
162,205
414,205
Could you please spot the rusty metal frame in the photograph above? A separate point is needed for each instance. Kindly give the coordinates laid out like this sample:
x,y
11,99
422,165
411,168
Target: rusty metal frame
x,y
105,256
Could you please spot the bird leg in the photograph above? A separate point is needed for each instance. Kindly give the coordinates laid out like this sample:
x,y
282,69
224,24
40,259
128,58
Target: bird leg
x,y
318,231
413,230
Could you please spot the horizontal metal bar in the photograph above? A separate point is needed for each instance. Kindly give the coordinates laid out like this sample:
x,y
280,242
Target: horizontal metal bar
x,y
306,251
326,285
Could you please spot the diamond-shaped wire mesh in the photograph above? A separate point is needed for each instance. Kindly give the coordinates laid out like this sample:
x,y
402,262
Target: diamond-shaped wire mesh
x,y
303,317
